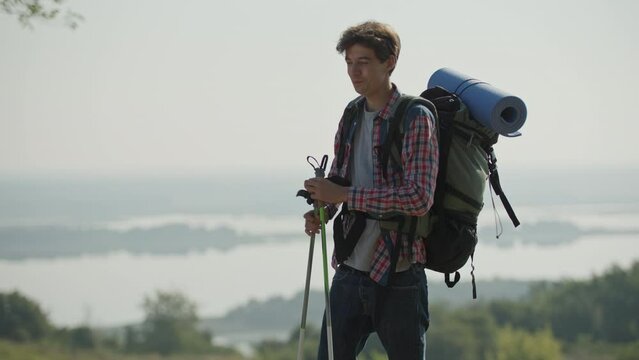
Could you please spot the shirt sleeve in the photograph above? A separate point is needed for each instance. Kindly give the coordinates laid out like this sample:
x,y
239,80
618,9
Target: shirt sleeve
x,y
414,194
332,209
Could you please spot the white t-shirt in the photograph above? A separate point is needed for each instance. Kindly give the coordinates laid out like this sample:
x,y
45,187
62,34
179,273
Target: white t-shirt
x,y
362,176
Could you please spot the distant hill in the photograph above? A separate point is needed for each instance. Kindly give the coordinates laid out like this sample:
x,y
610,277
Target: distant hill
x,y
17,243
24,242
545,233
79,203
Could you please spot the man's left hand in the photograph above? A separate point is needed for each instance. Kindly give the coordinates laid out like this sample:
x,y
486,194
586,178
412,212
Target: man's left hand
x,y
324,190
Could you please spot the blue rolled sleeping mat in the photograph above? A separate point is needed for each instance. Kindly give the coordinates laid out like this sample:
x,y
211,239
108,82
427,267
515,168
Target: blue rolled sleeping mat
x,y
497,110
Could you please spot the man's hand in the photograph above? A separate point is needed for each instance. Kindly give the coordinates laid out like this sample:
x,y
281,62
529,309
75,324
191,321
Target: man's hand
x,y
324,190
312,223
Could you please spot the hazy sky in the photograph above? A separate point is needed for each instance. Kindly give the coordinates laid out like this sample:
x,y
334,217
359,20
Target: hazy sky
x,y
195,87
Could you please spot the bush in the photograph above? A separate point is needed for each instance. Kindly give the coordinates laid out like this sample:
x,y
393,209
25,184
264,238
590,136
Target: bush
x,y
21,319
463,334
170,326
517,344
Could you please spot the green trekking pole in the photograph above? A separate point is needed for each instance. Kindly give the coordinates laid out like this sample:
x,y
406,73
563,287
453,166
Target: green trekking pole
x,y
320,170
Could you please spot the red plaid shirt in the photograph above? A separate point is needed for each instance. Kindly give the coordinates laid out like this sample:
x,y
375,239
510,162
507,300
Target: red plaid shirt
x,y
409,192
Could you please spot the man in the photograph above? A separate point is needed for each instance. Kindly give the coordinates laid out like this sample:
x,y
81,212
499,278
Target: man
x,y
371,291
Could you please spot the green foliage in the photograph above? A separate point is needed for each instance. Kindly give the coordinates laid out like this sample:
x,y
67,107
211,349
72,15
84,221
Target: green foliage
x,y
133,340
585,320
28,10
284,350
604,309
516,344
169,327
75,338
520,313
373,350
587,349
52,351
21,319
464,334
82,338
628,351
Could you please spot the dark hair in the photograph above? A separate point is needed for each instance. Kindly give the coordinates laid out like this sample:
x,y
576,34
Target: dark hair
x,y
379,37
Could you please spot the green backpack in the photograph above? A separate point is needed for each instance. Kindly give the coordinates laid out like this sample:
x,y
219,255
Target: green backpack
x,y
466,162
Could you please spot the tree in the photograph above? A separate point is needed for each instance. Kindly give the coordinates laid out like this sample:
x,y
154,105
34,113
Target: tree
x,y
21,319
603,308
133,340
464,334
82,338
275,349
170,325
517,344
28,10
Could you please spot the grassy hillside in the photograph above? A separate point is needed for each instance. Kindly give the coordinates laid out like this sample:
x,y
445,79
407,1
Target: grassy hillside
x,y
49,351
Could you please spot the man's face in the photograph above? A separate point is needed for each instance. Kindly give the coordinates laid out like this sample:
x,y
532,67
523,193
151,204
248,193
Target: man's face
x,y
368,74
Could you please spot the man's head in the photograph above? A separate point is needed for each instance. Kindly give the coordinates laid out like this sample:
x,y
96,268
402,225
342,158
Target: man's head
x,y
371,50
379,37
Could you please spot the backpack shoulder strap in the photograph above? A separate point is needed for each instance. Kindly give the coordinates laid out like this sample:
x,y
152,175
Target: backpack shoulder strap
x,y
391,149
348,118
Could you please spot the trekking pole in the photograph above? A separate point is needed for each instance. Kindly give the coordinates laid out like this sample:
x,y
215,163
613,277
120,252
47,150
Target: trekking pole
x,y
320,170
329,321
309,266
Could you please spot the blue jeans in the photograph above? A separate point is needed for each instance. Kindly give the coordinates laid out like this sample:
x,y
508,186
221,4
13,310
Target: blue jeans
x,y
397,312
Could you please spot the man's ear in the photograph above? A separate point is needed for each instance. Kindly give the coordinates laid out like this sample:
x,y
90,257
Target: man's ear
x,y
391,62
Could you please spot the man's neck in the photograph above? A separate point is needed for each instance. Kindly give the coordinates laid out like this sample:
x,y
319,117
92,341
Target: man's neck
x,y
377,100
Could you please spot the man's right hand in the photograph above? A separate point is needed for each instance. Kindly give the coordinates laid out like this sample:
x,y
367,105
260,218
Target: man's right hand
x,y
312,223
